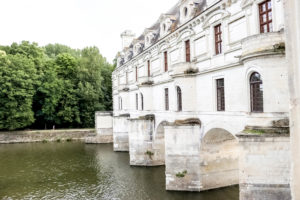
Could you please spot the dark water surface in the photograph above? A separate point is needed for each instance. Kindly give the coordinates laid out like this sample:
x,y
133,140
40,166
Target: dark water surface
x,y
80,171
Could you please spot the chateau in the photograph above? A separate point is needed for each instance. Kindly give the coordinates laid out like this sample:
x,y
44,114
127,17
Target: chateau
x,y
189,88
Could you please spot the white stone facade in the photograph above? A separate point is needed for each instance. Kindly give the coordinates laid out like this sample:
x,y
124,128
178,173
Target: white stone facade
x,y
244,51
173,71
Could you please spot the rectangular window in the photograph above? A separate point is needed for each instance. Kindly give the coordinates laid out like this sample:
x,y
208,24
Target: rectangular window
x,y
187,51
265,16
166,98
136,101
136,74
148,63
220,95
166,60
218,39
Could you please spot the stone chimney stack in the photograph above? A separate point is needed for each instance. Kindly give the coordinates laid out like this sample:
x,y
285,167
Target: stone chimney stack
x,y
127,37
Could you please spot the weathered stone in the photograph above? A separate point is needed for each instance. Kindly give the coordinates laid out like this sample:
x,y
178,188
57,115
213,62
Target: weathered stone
x,y
120,133
264,164
45,135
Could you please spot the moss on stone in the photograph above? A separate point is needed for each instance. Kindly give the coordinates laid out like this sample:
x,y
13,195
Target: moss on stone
x,y
150,154
181,174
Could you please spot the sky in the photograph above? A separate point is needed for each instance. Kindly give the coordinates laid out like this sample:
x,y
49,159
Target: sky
x,y
78,23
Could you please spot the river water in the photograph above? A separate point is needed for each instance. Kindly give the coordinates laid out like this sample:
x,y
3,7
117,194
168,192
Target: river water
x,y
78,171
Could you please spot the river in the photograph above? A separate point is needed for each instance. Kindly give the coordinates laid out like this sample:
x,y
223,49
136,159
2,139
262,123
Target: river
x,y
74,170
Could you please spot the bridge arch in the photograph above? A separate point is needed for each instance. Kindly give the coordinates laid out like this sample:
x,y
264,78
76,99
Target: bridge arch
x,y
159,142
219,158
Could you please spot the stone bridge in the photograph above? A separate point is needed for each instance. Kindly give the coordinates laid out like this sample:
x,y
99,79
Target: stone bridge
x,y
200,152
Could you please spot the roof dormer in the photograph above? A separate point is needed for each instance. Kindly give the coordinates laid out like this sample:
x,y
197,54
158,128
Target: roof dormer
x,y
128,54
166,22
188,9
138,46
120,59
150,36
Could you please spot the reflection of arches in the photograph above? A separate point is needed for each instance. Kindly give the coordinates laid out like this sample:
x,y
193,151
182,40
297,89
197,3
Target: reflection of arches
x,y
219,155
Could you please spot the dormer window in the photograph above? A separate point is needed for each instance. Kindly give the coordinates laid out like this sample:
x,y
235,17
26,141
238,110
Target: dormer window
x,y
185,11
149,37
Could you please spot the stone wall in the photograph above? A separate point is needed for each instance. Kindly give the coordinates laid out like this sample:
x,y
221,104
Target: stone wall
x,y
182,147
49,135
120,133
264,167
292,28
141,143
104,128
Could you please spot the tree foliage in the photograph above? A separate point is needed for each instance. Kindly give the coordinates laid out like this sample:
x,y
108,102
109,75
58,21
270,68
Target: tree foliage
x,y
52,85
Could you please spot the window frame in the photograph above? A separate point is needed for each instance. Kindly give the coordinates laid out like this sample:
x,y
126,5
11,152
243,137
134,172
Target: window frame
x,y
136,101
220,94
187,45
167,105
218,39
136,74
261,13
166,67
256,101
179,98
148,67
142,101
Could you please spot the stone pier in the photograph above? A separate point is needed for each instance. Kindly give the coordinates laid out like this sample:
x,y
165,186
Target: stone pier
x,y
104,128
264,165
292,29
141,142
120,133
182,148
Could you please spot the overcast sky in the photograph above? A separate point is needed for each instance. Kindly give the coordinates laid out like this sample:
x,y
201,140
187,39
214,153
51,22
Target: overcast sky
x,y
77,23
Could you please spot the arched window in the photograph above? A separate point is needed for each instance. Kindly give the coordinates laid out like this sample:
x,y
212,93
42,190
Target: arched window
x,y
120,103
179,99
185,11
256,93
142,101
136,101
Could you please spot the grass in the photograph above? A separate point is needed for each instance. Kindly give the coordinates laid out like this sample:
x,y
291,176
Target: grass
x,y
257,132
181,174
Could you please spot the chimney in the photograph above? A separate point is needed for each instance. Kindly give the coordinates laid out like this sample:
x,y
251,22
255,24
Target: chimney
x,y
127,37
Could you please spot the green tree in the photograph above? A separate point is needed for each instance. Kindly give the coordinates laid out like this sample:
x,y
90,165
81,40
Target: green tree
x,y
90,80
68,108
17,88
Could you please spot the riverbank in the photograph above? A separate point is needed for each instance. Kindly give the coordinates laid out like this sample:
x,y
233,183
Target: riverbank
x,y
10,137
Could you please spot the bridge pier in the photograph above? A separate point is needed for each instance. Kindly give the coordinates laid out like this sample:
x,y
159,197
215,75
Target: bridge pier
x,y
141,149
104,128
265,164
182,148
120,133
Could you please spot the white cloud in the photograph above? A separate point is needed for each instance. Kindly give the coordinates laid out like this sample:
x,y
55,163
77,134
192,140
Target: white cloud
x,y
77,23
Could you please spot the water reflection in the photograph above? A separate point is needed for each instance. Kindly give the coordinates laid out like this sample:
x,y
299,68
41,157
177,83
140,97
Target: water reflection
x,y
79,171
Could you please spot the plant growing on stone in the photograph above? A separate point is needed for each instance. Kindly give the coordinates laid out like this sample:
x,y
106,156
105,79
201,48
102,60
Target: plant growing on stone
x,y
150,154
258,132
181,174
